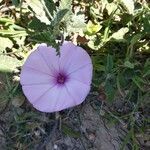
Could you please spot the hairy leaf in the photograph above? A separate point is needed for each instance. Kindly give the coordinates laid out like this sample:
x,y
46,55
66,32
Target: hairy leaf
x,y
129,5
43,37
77,24
119,35
65,4
59,17
47,37
37,25
38,8
8,64
4,43
50,5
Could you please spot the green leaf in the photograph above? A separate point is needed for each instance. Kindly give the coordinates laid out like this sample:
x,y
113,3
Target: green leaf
x,y
139,82
135,38
128,64
39,10
147,73
93,28
128,5
119,81
59,17
77,24
36,24
70,132
146,70
13,33
109,65
92,44
4,94
119,35
8,64
6,20
18,100
50,5
65,4
110,7
16,2
146,21
45,37
5,43
110,90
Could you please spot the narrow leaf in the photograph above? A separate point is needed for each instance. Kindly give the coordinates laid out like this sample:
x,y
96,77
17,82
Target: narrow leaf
x,y
135,38
109,65
128,64
70,132
59,17
139,82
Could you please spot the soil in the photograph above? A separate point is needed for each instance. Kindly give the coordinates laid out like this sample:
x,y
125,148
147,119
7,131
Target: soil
x,y
96,133
80,128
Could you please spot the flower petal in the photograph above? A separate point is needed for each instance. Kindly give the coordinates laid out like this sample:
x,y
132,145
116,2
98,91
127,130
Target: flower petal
x,y
30,76
64,100
55,99
36,61
83,74
50,57
77,90
46,102
67,51
36,90
41,69
73,57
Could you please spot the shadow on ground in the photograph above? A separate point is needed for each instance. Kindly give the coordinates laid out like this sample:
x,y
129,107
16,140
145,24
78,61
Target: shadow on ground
x,y
79,128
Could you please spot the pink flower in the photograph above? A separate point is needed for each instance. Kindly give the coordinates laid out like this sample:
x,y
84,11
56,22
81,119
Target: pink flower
x,y
53,83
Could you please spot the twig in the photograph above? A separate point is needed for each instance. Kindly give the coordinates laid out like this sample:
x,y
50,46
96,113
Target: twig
x,y
57,116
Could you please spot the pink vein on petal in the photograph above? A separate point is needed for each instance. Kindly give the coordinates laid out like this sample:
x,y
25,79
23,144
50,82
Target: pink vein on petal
x,y
43,94
69,61
80,81
57,99
70,95
79,68
39,71
47,63
42,83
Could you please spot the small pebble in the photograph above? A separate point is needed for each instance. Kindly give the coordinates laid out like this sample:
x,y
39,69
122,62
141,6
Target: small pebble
x,y
55,146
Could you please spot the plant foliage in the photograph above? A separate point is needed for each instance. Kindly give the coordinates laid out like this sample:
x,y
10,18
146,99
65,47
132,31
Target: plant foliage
x,y
116,34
